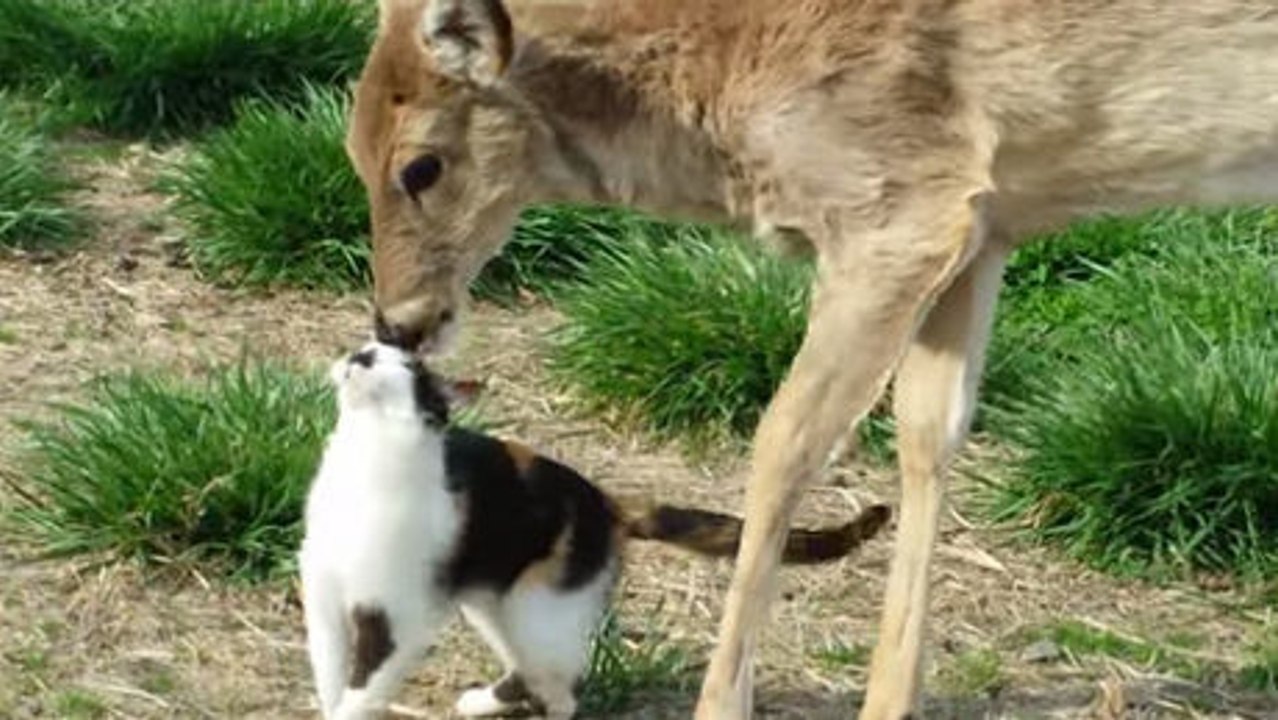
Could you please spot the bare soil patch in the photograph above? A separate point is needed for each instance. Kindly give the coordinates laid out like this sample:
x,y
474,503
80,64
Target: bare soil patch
x,y
79,638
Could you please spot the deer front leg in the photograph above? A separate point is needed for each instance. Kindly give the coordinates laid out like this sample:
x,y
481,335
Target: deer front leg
x,y
936,390
869,297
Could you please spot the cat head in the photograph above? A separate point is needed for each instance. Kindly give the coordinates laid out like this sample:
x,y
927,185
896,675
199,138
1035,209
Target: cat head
x,y
385,379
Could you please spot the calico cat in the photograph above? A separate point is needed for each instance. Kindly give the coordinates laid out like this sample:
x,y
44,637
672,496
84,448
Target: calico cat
x,y
409,519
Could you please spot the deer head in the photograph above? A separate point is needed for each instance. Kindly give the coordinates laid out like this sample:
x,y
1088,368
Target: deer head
x,y
449,152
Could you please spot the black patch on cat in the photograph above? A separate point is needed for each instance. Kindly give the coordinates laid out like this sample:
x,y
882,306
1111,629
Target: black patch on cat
x,y
373,643
364,358
428,394
511,689
513,519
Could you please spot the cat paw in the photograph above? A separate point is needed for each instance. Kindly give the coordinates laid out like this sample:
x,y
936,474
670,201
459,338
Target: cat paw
x,y
481,702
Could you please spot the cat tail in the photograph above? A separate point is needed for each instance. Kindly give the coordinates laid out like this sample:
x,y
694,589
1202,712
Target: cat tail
x,y
718,535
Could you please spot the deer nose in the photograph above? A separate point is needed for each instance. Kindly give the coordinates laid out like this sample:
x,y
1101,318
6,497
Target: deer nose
x,y
411,325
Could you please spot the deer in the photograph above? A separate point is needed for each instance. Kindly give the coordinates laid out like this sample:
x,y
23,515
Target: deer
x,y
908,145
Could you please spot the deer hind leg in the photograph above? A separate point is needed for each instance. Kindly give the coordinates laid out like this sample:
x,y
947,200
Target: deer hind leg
x,y
864,311
935,394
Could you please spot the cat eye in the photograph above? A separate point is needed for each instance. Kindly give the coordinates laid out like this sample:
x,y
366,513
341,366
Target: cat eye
x,y
418,175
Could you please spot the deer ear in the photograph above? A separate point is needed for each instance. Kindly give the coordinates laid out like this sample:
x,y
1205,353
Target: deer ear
x,y
470,40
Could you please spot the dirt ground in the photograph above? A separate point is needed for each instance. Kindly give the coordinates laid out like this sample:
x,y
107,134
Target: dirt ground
x,y
80,638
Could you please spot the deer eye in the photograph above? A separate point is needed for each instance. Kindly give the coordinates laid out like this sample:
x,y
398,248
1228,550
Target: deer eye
x,y
418,175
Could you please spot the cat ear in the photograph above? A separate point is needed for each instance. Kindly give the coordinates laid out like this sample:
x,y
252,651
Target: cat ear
x,y
463,392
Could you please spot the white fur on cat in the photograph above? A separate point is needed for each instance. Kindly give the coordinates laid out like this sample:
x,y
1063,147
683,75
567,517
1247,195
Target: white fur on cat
x,y
379,522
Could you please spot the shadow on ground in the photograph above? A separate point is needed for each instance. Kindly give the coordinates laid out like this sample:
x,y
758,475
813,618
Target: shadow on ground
x,y
1136,700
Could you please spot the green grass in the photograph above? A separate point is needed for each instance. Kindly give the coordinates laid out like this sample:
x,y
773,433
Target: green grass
x,y
42,40
162,67
1261,671
689,336
686,333
31,660
272,199
158,680
1147,436
624,670
158,469
837,656
1173,655
973,672
1078,640
1083,250
552,246
153,468
1049,308
79,705
33,207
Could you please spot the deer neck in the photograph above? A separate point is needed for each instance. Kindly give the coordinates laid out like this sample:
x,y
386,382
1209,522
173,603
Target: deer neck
x,y
624,132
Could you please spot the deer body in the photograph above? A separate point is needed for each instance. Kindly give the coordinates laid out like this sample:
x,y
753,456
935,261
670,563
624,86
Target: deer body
x,y
909,143
752,113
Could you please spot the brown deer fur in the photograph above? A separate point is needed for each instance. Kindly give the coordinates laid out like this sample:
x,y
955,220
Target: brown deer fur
x,y
909,143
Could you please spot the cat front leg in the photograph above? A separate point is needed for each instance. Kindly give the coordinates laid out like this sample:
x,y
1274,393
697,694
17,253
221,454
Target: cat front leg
x,y
326,636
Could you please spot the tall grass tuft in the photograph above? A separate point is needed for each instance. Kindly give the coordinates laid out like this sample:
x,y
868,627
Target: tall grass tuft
x,y
690,336
33,206
686,331
1050,307
1152,445
272,199
42,41
1077,253
623,670
164,67
153,468
1261,672
551,246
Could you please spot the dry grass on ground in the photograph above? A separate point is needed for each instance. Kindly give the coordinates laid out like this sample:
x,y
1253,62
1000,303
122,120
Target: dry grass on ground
x,y
80,639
